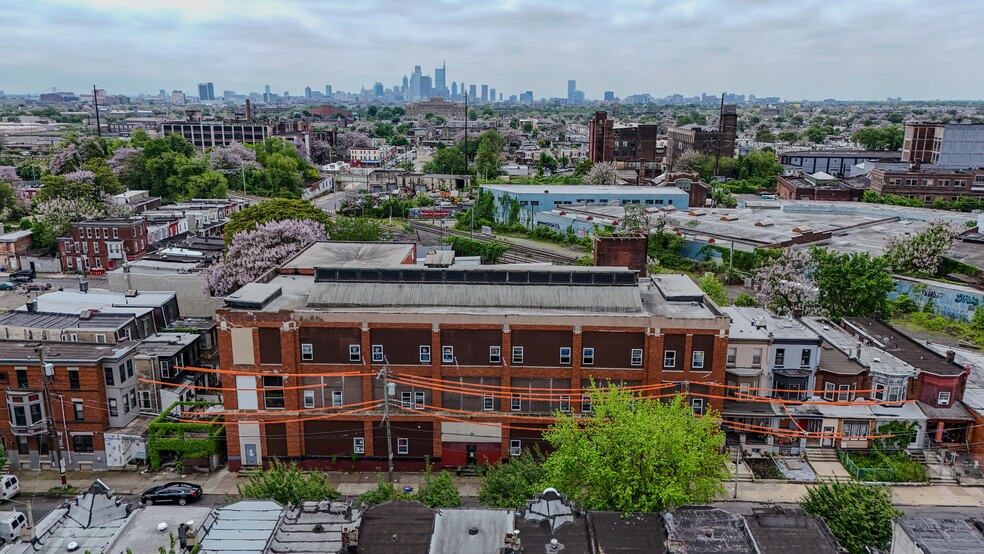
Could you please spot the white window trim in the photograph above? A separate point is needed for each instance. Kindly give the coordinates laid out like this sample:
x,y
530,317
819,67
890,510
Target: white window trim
x,y
447,354
565,355
635,357
488,403
355,353
586,404
515,447
697,359
307,352
425,354
419,399
943,398
406,400
377,354
495,354
671,356
402,446
829,391
697,405
565,403
309,399
587,356
516,403
358,445
337,398
517,354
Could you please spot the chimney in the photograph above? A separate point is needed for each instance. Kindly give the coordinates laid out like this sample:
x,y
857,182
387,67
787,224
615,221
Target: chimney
x,y
249,111
32,306
950,356
857,350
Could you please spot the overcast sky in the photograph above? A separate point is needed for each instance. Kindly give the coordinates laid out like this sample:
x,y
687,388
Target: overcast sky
x,y
796,49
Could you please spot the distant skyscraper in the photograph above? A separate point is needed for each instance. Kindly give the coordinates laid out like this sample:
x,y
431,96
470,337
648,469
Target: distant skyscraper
x,y
526,97
415,82
266,94
609,96
571,89
307,92
378,89
406,84
485,94
426,88
206,91
286,94
440,87
328,91
472,91
163,93
491,95
454,89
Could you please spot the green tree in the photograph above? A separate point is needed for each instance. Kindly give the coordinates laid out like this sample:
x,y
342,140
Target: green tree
x,y
816,134
851,285
488,158
582,168
274,210
546,162
514,123
288,485
472,114
527,126
437,490
511,483
895,118
356,229
384,492
635,454
399,140
765,135
879,138
714,289
788,136
745,300
447,161
858,515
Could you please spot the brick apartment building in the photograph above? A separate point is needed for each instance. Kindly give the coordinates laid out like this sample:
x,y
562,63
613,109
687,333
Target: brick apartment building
x,y
93,389
12,245
929,185
817,186
476,354
103,244
710,140
608,142
947,146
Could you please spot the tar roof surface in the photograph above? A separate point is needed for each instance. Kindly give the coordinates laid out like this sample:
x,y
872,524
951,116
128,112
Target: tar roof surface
x,y
314,528
620,533
900,345
790,531
704,529
351,254
396,528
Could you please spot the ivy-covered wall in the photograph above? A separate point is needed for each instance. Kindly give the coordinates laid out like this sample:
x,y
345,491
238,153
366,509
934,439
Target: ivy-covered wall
x,y
165,435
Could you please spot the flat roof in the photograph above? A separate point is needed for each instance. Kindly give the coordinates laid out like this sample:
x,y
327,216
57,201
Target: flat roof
x,y
140,533
585,189
15,235
351,254
872,357
841,154
454,531
74,302
314,528
46,320
62,353
707,529
749,322
628,533
943,536
902,346
396,527
779,530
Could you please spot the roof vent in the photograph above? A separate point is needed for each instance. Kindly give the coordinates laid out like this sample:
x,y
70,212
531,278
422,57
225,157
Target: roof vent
x,y
319,528
473,531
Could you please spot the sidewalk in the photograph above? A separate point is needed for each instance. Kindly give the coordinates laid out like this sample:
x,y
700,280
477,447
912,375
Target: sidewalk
x,y
353,484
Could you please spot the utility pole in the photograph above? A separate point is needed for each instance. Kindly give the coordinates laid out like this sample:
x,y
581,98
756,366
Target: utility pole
x,y
384,377
95,101
717,143
466,133
47,372
737,467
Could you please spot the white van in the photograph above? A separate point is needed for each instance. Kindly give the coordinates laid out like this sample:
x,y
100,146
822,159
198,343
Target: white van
x,y
9,486
11,524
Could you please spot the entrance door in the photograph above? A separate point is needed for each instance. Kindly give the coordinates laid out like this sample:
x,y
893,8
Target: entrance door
x,y
251,455
828,437
471,454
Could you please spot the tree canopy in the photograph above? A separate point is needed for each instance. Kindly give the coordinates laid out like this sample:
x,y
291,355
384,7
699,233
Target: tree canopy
x,y
851,285
858,515
635,454
288,485
879,138
279,209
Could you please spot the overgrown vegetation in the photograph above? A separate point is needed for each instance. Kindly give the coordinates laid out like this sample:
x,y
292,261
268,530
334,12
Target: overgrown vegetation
x,y
183,439
288,485
437,490
511,483
490,251
858,515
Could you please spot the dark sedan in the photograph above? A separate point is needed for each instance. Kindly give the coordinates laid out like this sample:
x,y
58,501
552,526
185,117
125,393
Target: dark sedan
x,y
177,493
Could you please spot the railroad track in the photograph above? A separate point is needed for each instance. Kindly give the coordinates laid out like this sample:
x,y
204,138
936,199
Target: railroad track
x,y
517,253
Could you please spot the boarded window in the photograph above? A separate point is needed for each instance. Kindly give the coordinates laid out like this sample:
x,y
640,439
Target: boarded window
x,y
242,346
276,439
246,392
270,346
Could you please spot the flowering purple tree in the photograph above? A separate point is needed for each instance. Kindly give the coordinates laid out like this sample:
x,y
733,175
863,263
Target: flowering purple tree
x,y
127,165
80,176
352,139
923,253
253,253
601,173
785,283
8,174
66,157
232,158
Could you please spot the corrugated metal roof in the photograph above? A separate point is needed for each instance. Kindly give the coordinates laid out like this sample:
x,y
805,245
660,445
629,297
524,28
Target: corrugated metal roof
x,y
241,528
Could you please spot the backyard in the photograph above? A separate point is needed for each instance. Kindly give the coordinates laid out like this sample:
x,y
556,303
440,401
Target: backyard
x,y
883,467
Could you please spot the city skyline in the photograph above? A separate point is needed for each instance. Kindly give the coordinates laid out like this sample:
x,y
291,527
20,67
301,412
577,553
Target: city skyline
x,y
802,50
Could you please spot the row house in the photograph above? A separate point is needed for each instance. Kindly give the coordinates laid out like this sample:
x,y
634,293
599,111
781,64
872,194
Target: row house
x,y
92,389
103,244
162,228
89,326
151,310
138,200
12,246
161,360
468,351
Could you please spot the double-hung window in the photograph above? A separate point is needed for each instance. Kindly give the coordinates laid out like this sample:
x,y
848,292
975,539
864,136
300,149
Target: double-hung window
x,y
517,354
495,354
669,358
565,355
425,354
447,354
636,357
587,356
698,360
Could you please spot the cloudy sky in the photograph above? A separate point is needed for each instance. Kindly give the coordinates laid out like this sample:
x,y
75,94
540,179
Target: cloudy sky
x,y
849,49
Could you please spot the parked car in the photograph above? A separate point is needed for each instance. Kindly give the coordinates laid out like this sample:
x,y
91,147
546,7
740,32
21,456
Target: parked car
x,y
7,286
21,278
9,486
176,492
37,287
24,272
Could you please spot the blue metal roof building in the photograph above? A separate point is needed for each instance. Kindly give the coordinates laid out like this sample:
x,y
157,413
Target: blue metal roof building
x,y
539,198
